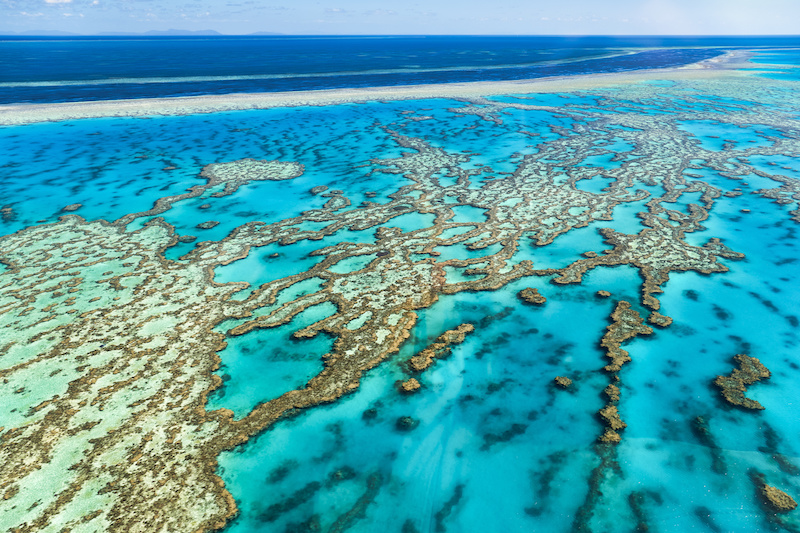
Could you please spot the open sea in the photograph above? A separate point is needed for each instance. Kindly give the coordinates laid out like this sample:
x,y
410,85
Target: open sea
x,y
488,442
61,69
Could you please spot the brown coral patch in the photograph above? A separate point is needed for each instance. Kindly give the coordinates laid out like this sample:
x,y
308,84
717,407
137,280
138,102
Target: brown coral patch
x,y
777,499
408,386
612,393
611,418
610,436
627,323
563,382
734,386
7,213
440,347
531,296
657,319
208,224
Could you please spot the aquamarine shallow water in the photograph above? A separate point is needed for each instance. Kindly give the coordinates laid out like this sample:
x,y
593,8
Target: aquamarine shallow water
x,y
493,434
496,447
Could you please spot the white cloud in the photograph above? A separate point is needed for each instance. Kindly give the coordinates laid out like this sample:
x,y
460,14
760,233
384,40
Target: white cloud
x,y
57,1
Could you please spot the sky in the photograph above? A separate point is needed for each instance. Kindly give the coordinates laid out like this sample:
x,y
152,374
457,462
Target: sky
x,y
409,17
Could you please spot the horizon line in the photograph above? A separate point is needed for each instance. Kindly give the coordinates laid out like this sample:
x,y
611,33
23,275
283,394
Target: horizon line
x,y
207,33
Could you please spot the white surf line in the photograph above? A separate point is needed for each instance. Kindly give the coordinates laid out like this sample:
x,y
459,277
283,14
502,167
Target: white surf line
x,y
343,73
19,114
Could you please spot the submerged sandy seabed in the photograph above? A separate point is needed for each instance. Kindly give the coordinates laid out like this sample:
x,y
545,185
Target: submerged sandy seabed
x,y
17,114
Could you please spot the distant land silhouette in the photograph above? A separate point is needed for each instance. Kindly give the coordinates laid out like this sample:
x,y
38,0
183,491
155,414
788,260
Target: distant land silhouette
x,y
150,33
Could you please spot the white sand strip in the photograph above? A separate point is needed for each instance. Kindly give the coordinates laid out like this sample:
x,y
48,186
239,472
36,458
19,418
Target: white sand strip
x,y
17,114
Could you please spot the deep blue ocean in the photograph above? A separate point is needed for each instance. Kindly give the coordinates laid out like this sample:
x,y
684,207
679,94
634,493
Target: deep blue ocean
x,y
53,69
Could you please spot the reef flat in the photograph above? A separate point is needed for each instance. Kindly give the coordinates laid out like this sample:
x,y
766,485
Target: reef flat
x,y
366,333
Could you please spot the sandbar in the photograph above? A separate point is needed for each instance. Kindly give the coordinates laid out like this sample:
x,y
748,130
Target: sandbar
x,y
19,114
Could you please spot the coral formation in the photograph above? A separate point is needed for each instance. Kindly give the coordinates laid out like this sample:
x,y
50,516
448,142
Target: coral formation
x,y
406,423
611,417
612,392
7,213
657,319
610,436
531,296
777,499
563,382
703,433
124,342
440,347
208,224
626,324
408,386
733,387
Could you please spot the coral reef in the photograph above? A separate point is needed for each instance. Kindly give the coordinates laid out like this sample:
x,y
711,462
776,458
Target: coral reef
x,y
657,319
703,433
733,387
610,436
406,423
531,296
7,213
490,439
611,417
562,382
408,386
440,347
626,324
777,499
447,509
612,393
113,348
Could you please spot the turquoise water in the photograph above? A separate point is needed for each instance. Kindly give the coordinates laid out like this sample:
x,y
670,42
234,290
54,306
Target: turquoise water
x,y
488,443
714,136
489,422
491,429
269,362
779,57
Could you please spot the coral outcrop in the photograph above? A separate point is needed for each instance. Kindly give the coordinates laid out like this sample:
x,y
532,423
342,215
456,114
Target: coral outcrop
x,y
733,387
563,382
409,386
626,324
531,296
440,347
777,499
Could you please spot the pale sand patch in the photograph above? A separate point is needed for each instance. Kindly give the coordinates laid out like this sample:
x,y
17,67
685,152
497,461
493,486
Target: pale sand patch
x,y
17,114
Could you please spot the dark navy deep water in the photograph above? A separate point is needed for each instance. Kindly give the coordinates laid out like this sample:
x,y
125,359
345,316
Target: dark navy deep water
x,y
40,70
